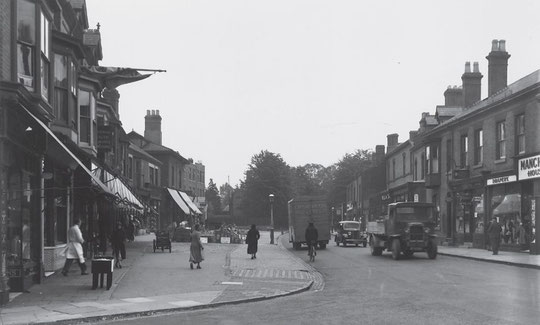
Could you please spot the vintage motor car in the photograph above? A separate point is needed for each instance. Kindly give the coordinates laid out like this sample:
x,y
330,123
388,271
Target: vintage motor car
x,y
349,232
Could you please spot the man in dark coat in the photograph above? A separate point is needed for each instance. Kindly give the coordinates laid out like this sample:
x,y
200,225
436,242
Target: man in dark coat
x,y
494,233
252,240
312,235
118,241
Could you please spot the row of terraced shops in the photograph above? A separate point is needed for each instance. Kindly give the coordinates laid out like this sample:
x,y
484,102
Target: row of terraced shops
x,y
474,158
56,164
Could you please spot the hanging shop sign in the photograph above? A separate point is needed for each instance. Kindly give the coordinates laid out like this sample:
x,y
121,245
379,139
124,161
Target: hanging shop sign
x,y
529,167
104,138
501,180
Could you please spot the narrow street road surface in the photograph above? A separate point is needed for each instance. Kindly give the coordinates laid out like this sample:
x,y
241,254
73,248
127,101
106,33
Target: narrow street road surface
x,y
362,289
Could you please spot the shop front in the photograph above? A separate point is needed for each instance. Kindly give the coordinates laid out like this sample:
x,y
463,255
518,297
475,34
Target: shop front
x,y
465,212
512,203
528,173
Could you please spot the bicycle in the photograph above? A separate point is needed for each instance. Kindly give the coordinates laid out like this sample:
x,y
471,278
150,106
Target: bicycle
x,y
312,252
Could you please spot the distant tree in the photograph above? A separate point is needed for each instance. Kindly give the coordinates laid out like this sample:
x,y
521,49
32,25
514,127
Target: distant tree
x,y
212,198
225,194
346,170
267,174
308,179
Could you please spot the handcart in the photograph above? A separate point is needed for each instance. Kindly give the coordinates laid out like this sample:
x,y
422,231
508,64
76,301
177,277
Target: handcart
x,y
162,241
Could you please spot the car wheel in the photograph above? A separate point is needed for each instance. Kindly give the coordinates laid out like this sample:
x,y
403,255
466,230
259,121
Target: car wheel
x,y
396,249
356,244
408,253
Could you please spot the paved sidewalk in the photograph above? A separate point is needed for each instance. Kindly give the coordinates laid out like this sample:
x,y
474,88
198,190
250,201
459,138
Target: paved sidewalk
x,y
70,299
509,258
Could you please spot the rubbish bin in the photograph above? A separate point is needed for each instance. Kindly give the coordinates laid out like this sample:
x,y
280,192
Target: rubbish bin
x,y
102,265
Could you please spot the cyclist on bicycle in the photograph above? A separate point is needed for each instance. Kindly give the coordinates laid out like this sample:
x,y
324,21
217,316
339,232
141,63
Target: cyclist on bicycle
x,y
312,235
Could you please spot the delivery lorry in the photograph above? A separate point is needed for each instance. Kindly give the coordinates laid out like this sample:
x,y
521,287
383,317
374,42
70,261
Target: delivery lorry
x,y
408,227
302,211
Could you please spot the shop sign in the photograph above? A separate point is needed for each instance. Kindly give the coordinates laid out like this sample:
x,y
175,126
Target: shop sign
x,y
104,138
501,180
529,167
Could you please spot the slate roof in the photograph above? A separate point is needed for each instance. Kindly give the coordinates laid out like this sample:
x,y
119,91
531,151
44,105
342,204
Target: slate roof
x,y
448,111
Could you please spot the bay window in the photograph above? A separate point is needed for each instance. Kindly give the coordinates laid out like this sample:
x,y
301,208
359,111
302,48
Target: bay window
x,y
26,42
87,123
61,88
45,65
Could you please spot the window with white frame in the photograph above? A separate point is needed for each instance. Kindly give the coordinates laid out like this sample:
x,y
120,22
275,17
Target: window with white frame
x,y
61,87
26,42
45,56
478,146
464,151
500,139
520,134
87,121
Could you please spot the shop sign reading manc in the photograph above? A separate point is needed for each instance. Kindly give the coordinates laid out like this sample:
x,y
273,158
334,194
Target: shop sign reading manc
x,y
529,167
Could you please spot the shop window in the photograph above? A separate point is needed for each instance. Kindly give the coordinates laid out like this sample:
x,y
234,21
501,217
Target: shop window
x,y
500,135
464,151
26,42
478,213
520,134
478,146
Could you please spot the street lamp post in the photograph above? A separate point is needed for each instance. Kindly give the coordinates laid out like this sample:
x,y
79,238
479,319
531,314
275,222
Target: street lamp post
x,y
271,198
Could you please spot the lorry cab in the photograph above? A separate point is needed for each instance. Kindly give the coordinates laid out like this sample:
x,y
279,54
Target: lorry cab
x,y
408,227
349,232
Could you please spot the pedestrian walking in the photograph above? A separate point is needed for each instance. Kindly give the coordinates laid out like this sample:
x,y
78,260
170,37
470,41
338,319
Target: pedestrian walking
x,y
131,229
74,250
494,232
118,241
252,239
196,248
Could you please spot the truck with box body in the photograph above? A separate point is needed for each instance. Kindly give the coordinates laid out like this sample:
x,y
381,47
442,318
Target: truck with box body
x,y
302,211
407,228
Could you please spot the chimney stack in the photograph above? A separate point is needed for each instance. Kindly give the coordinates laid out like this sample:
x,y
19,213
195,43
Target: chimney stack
x,y
391,141
379,154
453,96
152,126
498,67
112,96
472,84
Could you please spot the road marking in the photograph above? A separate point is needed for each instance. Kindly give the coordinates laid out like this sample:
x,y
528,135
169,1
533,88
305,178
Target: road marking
x,y
185,303
235,283
139,299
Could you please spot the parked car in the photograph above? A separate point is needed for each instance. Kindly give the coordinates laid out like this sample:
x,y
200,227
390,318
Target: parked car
x,y
349,232
182,234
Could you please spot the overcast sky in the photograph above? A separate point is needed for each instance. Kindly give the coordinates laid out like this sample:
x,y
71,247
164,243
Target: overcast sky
x,y
310,80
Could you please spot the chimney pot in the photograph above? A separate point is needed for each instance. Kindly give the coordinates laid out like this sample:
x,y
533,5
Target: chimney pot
x,y
157,112
475,67
494,45
467,67
502,45
147,112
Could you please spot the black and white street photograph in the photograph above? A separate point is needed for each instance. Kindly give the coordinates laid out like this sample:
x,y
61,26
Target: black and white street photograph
x,y
240,162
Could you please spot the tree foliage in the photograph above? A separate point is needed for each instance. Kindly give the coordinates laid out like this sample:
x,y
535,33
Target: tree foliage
x,y
212,198
346,170
225,193
267,174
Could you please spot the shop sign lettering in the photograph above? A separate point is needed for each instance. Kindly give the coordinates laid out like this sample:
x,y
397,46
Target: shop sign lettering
x,y
529,167
501,180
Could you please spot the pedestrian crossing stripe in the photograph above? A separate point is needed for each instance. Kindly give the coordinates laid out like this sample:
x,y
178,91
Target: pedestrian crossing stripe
x,y
235,283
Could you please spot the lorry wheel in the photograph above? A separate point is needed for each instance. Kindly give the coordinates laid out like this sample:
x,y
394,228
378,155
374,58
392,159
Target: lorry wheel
x,y
432,250
322,245
344,242
396,249
296,246
337,243
364,244
356,244
408,253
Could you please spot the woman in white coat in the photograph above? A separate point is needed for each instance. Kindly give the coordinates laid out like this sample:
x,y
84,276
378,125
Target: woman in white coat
x,y
74,250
